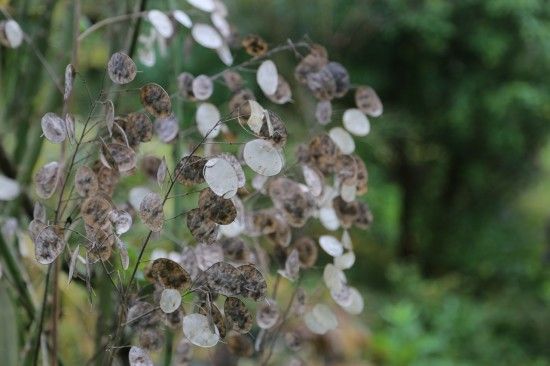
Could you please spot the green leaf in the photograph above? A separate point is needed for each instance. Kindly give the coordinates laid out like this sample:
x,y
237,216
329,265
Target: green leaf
x,y
9,335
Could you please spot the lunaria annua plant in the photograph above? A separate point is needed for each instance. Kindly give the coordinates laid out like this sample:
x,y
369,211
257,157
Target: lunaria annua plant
x,y
251,188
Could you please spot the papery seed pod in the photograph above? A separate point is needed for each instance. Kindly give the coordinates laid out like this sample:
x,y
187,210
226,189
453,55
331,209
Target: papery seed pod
x,y
298,306
212,311
368,101
169,274
121,156
109,116
161,172
100,243
224,279
295,203
189,170
151,339
173,320
233,80
364,217
268,314
321,84
53,128
39,212
85,181
347,212
241,178
240,345
160,21
170,300
283,93
151,212
312,63
342,139
139,127
237,315
185,85
49,244
208,120
282,234
123,253
346,169
142,315
293,340
356,122
188,260
292,266
121,68
278,134
139,357
150,165
167,128
341,78
155,100
254,45
183,353
323,153
206,36
121,220
70,73
267,77
254,285
202,228
203,87
323,112
218,209
362,176
107,180
95,211
11,34
263,157
221,177
197,329
307,251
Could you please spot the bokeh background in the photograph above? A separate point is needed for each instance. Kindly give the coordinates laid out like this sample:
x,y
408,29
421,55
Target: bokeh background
x,y
455,269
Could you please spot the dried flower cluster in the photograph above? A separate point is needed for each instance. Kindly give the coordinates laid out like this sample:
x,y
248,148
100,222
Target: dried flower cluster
x,y
250,222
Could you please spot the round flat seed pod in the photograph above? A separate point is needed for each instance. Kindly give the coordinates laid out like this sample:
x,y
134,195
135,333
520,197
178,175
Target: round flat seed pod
x,y
254,45
69,126
204,5
155,100
107,180
299,303
206,36
53,128
348,191
293,340
221,177
139,357
69,81
323,153
208,117
85,181
142,315
212,312
169,274
189,170
292,266
188,261
333,276
368,101
240,345
235,249
331,245
283,93
95,211
239,100
167,128
233,80
121,68
342,139
321,319
345,261
307,251
224,279
356,304
237,315
202,87
267,77
254,286
237,166
11,34
121,220
181,17
362,176
356,122
274,129
160,21
341,295
183,354
314,180
312,63
170,300
254,115
197,329
139,127
347,212
364,216
341,78
262,157
295,202
321,84
201,227
328,218
185,85
218,209
49,244
124,158
323,112
39,212
151,211
268,314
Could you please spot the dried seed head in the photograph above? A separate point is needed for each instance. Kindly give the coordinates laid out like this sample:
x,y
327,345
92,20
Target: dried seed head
x,y
368,101
100,243
362,175
221,177
47,179
150,165
267,77
202,228
121,68
121,220
170,300
218,209
49,244
237,315
356,122
254,286
263,157
307,251
295,203
189,170
53,128
169,274
207,36
85,181
155,100
151,211
254,45
188,260
224,279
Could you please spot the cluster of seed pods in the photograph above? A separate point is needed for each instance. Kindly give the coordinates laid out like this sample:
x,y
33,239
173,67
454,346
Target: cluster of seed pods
x,y
250,221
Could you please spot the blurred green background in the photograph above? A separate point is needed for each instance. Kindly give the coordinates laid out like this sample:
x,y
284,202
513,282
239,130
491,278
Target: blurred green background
x,y
455,269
